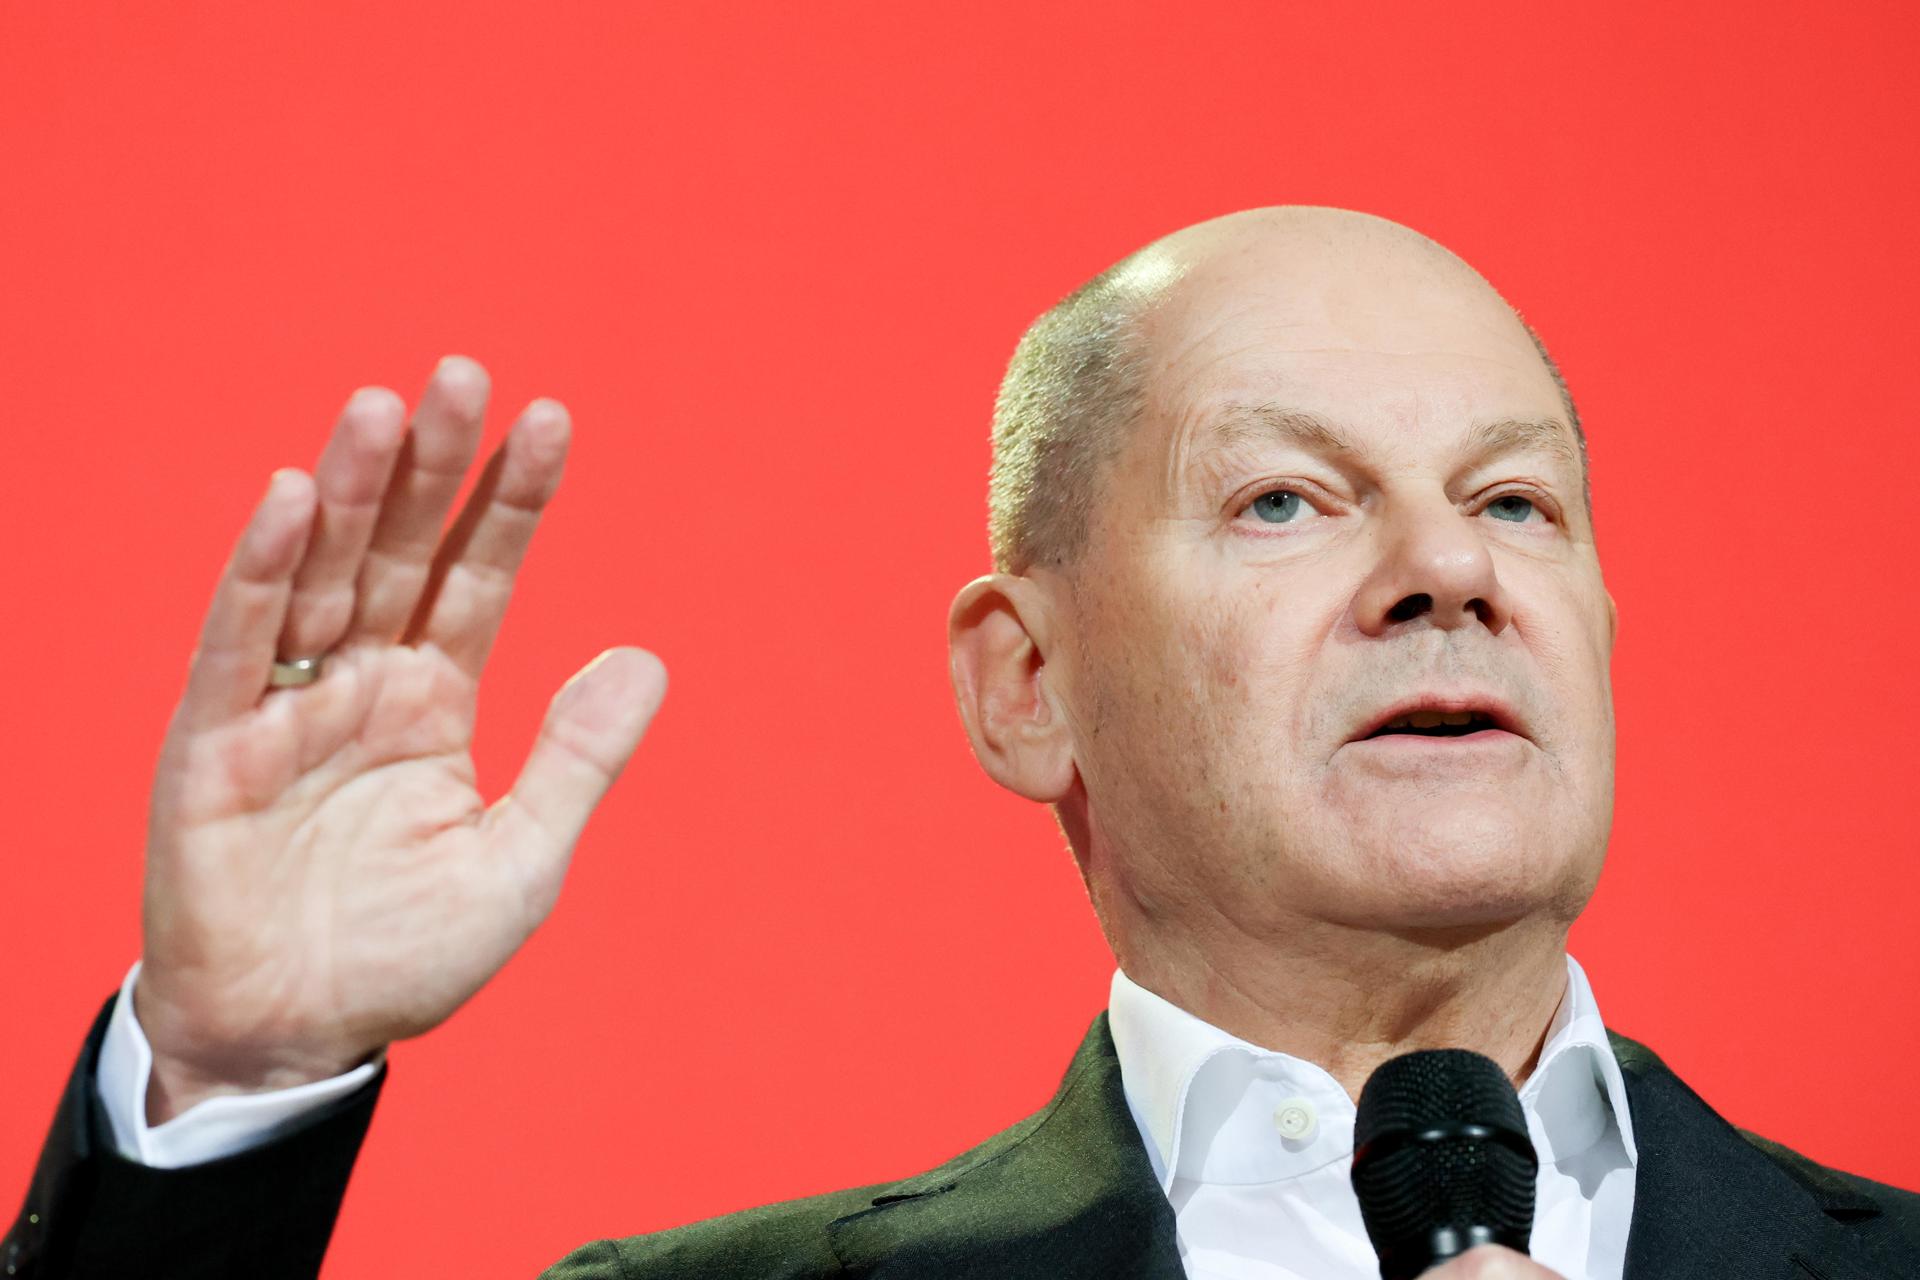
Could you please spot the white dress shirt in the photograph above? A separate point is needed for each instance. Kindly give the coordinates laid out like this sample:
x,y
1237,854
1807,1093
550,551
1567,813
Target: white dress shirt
x,y
1253,1148
217,1127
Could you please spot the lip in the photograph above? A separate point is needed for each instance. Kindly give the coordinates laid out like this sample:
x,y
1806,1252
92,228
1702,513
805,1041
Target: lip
x,y
1486,755
1506,720
1415,742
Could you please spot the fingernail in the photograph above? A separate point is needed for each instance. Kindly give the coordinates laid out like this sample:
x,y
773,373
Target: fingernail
x,y
369,398
282,483
547,409
465,366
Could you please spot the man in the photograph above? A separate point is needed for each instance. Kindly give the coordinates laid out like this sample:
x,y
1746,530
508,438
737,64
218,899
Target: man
x,y
1299,628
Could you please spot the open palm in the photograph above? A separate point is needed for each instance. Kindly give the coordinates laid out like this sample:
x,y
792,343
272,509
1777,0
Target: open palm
x,y
323,878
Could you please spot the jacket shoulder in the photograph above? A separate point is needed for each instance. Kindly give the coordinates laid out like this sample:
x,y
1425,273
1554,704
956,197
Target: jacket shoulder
x,y
1885,1218
784,1241
1844,1195
791,1240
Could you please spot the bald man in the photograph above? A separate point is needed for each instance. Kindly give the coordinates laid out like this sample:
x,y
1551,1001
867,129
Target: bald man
x,y
1297,625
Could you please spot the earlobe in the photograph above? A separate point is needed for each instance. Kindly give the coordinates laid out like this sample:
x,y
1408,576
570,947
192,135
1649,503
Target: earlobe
x,y
999,638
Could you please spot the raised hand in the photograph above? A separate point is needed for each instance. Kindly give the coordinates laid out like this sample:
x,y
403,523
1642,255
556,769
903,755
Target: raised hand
x,y
322,876
1491,1262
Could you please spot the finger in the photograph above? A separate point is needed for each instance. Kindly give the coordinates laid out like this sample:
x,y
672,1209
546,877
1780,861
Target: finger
x,y
235,655
590,732
350,477
466,595
432,463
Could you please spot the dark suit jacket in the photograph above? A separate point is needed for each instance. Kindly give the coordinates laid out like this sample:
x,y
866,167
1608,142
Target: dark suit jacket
x,y
1067,1192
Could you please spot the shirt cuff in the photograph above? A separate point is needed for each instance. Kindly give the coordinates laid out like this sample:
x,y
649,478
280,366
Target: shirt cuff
x,y
221,1126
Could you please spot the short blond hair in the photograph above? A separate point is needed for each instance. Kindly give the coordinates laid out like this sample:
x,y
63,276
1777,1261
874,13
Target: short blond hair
x,y
1073,389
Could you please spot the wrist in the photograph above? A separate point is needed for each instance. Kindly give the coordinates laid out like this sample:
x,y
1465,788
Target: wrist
x,y
175,1087
190,1065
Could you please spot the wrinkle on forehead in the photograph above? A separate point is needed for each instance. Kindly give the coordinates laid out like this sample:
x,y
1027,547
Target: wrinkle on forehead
x,y
1237,424
1177,461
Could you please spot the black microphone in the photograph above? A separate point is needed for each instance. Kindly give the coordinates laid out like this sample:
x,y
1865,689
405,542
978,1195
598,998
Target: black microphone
x,y
1441,1160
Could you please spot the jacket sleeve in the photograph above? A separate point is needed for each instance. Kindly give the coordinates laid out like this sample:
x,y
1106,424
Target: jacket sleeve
x,y
91,1213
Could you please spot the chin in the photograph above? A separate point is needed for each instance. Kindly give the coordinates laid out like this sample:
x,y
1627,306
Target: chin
x,y
1469,876
1480,913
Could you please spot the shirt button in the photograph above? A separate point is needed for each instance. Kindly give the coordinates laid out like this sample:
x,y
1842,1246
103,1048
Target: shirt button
x,y
1295,1119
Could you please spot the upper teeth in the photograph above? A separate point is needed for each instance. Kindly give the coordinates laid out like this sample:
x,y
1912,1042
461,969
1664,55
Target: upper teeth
x,y
1430,719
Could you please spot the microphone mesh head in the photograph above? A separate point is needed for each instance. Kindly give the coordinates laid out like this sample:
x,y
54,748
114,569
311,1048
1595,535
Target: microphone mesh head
x,y
1438,1162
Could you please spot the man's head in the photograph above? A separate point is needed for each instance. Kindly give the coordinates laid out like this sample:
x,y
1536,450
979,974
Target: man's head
x,y
1256,485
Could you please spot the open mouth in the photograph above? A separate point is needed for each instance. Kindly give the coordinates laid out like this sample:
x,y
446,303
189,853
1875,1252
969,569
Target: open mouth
x,y
1436,724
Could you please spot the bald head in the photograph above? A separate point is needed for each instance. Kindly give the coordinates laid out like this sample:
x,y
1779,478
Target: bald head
x,y
1080,377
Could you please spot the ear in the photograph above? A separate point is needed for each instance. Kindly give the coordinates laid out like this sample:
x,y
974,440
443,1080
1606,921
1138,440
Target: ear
x,y
1613,623
999,637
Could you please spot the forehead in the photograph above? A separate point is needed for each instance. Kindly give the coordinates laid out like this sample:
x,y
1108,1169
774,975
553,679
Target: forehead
x,y
1396,346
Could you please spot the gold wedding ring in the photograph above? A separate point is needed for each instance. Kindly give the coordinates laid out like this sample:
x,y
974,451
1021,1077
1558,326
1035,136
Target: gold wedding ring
x,y
299,671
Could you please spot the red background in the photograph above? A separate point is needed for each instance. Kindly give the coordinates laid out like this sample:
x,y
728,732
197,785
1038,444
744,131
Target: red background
x,y
774,259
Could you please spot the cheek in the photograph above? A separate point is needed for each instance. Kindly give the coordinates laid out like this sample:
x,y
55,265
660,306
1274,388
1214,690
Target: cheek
x,y
1162,665
1236,675
1203,667
1224,649
1567,643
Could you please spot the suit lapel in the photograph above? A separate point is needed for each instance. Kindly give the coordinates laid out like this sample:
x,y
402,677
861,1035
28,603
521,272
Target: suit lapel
x,y
1707,1203
1067,1193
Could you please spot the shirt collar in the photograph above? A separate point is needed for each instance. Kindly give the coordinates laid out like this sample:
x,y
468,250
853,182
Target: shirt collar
x,y
1209,1105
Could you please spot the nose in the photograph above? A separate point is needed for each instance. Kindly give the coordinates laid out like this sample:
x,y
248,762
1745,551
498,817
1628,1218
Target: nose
x,y
1435,565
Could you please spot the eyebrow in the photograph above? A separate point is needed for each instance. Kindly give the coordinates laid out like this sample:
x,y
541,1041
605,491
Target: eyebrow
x,y
1257,423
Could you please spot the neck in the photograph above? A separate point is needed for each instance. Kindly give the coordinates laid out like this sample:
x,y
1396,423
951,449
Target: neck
x,y
1349,999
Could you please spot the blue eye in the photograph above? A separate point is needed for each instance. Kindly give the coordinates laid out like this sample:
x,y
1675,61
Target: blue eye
x,y
1272,507
1512,497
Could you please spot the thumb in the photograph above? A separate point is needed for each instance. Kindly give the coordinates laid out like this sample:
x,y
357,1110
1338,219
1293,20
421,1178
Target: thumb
x,y
592,727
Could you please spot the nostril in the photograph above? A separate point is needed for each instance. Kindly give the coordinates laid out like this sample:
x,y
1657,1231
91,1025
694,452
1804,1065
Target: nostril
x,y
1411,607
